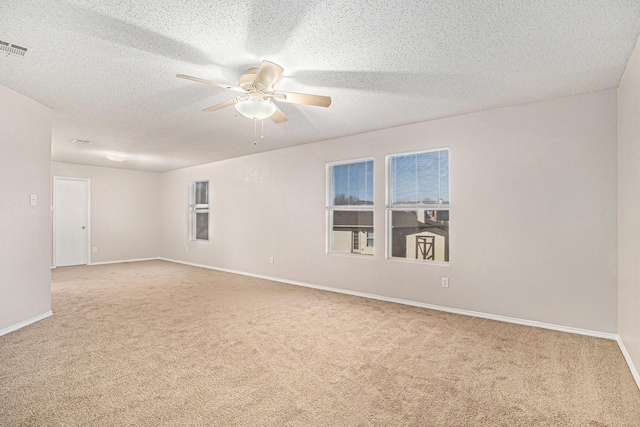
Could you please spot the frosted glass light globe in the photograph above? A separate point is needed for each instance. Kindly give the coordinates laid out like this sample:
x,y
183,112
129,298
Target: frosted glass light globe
x,y
254,109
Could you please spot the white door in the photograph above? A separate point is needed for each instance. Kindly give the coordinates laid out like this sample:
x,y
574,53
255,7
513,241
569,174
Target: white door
x,y
71,228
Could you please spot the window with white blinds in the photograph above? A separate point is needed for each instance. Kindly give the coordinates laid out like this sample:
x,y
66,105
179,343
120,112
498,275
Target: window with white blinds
x,y
418,205
350,207
199,210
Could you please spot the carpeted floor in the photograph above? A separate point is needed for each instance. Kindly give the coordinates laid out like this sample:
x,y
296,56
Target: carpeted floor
x,y
157,343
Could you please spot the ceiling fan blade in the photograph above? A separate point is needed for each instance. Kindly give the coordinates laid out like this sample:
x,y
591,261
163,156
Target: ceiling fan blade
x,y
278,116
221,105
267,75
303,98
199,80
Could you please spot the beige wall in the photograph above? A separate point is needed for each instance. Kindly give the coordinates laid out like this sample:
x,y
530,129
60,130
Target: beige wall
x,y
25,233
533,213
124,211
629,207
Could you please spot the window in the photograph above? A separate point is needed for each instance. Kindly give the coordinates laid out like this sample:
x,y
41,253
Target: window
x,y
418,205
350,207
370,238
199,210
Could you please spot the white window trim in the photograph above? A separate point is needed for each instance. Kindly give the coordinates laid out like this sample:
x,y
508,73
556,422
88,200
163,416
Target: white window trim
x,y
330,208
403,207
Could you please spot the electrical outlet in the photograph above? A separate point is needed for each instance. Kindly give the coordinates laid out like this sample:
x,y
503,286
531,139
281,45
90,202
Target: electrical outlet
x,y
95,249
270,260
34,200
445,282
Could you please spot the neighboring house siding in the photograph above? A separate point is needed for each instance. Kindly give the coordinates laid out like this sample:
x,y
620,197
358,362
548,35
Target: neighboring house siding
x,y
343,241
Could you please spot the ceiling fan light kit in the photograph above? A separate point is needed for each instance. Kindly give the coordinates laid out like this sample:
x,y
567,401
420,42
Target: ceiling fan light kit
x,y
258,84
256,109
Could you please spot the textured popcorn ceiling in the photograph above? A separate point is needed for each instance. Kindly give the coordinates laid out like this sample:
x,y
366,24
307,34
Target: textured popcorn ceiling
x,y
107,68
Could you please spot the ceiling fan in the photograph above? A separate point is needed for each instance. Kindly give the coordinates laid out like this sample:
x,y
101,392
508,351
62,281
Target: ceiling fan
x,y
258,85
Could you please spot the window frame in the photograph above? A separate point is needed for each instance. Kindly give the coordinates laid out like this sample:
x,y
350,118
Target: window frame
x,y
195,209
389,207
330,208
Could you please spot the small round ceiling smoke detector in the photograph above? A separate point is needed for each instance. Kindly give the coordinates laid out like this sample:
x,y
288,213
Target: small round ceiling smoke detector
x,y
116,157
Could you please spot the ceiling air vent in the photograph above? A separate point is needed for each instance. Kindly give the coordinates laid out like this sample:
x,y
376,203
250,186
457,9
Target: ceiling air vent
x,y
81,141
8,49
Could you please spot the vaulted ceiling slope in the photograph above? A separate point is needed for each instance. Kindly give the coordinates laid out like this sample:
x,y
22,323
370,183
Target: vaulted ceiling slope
x,y
107,68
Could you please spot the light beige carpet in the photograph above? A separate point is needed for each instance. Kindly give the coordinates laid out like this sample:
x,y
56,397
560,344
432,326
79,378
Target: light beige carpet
x,y
156,343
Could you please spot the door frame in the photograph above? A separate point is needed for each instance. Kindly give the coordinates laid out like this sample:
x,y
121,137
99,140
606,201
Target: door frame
x,y
88,207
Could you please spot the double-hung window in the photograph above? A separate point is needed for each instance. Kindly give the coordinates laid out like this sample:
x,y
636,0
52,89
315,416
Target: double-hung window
x,y
199,210
350,207
418,205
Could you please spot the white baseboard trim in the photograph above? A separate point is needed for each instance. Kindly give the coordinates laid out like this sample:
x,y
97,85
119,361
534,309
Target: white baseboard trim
x,y
627,357
25,323
122,260
515,320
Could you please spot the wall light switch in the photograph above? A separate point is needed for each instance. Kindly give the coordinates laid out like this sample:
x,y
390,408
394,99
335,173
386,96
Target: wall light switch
x,y
34,200
270,260
445,282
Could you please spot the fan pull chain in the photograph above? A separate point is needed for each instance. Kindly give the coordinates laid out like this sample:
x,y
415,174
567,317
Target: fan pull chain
x,y
255,131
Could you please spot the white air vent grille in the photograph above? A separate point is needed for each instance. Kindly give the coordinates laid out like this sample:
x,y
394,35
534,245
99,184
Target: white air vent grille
x,y
9,49
81,141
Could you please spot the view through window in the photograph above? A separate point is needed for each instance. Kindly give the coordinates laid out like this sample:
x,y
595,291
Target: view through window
x,y
418,205
350,207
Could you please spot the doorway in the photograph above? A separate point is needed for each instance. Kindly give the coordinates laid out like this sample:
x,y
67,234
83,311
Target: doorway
x,y
70,221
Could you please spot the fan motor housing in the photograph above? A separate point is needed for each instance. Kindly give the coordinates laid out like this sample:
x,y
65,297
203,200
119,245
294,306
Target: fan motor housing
x,y
246,82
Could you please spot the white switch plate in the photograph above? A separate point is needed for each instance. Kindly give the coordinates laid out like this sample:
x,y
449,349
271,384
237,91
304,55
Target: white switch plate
x,y
270,260
34,200
445,282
